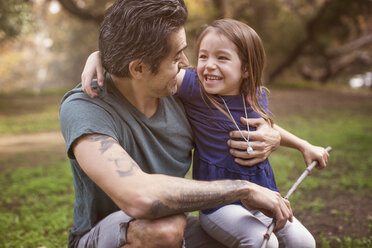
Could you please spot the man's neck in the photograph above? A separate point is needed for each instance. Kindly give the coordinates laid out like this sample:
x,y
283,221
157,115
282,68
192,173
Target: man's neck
x,y
135,92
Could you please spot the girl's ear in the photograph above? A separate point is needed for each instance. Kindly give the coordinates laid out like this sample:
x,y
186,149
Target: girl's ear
x,y
245,73
137,69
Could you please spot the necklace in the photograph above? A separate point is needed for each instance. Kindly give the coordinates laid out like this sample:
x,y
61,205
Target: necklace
x,y
249,148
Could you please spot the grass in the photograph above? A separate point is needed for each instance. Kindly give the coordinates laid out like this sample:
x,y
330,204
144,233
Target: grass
x,y
47,120
36,205
351,140
26,112
36,202
348,169
345,242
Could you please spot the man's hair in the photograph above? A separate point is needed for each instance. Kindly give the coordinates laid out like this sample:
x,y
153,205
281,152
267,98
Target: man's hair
x,y
139,29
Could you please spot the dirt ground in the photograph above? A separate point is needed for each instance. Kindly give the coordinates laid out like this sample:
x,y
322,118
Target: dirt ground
x,y
31,149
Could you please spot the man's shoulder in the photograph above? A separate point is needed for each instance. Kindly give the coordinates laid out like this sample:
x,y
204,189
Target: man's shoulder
x,y
77,108
76,98
74,94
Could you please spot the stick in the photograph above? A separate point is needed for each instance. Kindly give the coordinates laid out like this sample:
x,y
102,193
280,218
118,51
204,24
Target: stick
x,y
290,192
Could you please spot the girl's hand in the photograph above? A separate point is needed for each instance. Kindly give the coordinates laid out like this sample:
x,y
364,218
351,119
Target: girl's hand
x,y
311,153
92,67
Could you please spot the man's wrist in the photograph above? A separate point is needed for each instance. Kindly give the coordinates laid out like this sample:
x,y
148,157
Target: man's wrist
x,y
245,189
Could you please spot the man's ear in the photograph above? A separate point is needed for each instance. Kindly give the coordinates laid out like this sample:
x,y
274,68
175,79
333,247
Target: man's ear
x,y
137,69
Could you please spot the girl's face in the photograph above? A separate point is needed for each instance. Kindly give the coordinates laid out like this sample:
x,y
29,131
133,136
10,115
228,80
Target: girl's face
x,y
219,66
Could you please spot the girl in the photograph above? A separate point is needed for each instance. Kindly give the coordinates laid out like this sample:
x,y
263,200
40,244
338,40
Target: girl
x,y
226,86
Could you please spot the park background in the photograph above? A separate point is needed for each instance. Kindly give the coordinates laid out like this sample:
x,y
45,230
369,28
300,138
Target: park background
x,y
319,63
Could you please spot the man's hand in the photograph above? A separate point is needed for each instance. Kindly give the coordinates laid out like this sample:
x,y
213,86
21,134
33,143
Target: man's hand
x,y
263,141
269,203
92,67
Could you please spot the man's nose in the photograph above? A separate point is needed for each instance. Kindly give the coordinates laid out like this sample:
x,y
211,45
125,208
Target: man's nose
x,y
184,61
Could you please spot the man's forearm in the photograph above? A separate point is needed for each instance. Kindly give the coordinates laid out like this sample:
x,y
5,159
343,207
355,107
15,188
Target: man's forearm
x,y
176,195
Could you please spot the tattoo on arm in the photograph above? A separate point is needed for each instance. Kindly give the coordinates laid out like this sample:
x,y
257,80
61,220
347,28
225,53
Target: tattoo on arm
x,y
123,163
124,172
185,200
106,141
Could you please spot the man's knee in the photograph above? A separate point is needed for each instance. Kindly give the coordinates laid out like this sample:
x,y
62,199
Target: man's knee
x,y
164,232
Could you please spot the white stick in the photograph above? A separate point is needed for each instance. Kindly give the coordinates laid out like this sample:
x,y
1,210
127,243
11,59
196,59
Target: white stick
x,y
290,192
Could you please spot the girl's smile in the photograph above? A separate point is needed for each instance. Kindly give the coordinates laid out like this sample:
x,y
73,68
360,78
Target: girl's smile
x,y
212,79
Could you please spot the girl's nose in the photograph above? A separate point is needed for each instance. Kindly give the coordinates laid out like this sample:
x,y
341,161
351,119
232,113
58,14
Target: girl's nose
x,y
210,65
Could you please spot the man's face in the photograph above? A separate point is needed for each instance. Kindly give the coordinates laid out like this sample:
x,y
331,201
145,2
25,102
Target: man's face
x,y
164,82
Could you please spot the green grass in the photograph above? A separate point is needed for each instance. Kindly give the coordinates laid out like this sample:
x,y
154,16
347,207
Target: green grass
x,y
47,120
25,112
345,242
348,169
36,205
350,160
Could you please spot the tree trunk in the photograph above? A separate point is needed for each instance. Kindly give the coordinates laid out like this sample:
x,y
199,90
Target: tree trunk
x,y
310,27
83,14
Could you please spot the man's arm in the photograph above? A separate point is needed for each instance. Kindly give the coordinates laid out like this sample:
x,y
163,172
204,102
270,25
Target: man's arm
x,y
148,196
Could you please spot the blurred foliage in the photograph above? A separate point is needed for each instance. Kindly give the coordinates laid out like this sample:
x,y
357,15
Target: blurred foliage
x,y
15,17
52,55
44,43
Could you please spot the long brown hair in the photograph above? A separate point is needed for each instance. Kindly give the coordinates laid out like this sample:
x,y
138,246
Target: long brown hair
x,y
252,55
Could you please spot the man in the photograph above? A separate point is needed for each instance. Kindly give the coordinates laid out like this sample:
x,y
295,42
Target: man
x,y
130,147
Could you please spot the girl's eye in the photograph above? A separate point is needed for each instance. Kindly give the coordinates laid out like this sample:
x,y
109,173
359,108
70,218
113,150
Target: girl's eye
x,y
223,58
202,56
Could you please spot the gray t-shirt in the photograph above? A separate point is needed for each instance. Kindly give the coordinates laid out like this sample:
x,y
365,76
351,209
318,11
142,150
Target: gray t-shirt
x,y
160,144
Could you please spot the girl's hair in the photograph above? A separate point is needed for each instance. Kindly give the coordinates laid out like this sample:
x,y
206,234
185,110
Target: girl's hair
x,y
252,55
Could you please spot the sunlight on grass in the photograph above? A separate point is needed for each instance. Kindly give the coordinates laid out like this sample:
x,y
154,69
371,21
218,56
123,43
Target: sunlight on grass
x,y
25,111
36,205
345,242
47,120
351,140
349,164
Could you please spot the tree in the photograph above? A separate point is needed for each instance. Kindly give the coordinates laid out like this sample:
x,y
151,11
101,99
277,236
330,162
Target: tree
x,y
313,39
335,38
82,13
322,38
14,18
